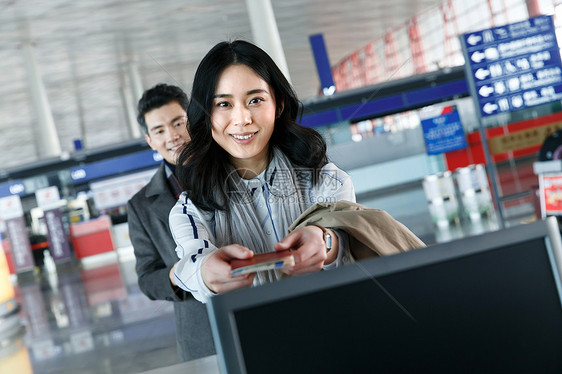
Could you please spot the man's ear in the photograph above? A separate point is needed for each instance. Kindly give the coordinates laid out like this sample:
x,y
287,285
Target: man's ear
x,y
149,142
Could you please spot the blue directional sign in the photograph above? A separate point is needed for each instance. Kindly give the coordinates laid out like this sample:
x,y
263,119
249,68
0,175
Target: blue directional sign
x,y
443,133
513,67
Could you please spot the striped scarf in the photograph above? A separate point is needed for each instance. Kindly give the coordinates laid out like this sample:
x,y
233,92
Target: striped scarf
x,y
284,189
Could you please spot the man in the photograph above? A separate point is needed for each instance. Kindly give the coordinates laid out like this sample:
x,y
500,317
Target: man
x,y
162,113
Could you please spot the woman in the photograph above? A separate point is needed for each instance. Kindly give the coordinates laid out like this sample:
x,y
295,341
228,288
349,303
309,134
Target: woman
x,y
250,170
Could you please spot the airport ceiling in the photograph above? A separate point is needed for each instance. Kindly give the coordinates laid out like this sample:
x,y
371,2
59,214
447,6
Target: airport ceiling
x,y
82,49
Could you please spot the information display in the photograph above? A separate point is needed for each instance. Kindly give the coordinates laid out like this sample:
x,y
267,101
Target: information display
x,y
443,133
513,67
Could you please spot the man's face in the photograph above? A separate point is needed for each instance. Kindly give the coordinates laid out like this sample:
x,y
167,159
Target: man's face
x,y
167,130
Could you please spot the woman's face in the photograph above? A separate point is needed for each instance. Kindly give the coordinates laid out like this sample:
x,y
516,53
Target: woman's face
x,y
243,118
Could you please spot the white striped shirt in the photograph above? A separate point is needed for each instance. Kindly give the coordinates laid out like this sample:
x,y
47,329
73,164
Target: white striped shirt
x,y
194,233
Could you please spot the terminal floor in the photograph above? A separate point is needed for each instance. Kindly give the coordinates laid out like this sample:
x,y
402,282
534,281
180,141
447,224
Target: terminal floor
x,y
90,319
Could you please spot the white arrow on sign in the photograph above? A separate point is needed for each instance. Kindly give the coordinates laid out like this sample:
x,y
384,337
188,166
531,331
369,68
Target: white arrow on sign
x,y
477,56
485,91
473,39
489,107
481,73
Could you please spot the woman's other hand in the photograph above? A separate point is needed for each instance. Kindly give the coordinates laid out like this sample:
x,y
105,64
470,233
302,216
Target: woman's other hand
x,y
309,249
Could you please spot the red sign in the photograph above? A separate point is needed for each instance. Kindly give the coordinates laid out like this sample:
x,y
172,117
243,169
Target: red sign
x,y
551,193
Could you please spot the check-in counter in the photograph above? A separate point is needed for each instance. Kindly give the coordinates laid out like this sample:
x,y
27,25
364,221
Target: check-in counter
x,y
92,237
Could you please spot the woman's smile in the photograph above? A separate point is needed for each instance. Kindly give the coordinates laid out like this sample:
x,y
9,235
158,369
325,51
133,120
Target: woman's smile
x,y
244,138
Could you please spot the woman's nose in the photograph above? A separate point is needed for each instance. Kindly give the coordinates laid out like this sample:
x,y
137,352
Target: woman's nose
x,y
241,116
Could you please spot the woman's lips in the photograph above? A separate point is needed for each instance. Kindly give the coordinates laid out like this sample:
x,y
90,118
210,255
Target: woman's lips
x,y
243,138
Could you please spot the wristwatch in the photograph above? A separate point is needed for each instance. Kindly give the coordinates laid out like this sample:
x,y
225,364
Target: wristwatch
x,y
327,237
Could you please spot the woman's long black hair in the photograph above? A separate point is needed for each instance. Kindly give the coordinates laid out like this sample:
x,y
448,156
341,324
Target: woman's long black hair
x,y
202,164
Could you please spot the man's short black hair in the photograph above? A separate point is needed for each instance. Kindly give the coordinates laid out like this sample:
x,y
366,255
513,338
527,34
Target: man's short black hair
x,y
158,96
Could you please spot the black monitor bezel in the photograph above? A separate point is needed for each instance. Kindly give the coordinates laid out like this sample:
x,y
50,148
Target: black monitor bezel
x,y
222,307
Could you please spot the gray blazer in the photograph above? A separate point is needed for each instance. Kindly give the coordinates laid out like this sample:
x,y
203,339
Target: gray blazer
x,y
155,254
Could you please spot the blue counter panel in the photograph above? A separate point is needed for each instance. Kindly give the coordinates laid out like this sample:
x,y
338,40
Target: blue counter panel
x,y
378,106
115,166
321,118
15,187
429,95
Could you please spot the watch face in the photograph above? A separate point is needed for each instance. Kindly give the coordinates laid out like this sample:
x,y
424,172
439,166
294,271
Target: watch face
x,y
328,240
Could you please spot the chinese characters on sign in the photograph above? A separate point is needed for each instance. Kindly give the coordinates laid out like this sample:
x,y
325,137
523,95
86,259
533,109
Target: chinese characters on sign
x,y
514,67
532,137
443,133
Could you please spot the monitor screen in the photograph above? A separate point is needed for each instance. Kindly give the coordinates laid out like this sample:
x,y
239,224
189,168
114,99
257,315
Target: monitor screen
x,y
489,303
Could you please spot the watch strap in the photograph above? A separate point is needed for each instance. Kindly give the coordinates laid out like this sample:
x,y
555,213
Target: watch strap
x,y
327,237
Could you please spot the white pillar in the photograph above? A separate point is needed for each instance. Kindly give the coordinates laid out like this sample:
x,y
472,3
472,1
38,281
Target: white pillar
x,y
47,132
265,32
131,113
131,102
135,81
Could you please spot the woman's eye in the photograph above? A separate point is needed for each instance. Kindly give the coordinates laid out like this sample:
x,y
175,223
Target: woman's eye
x,y
256,100
223,104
